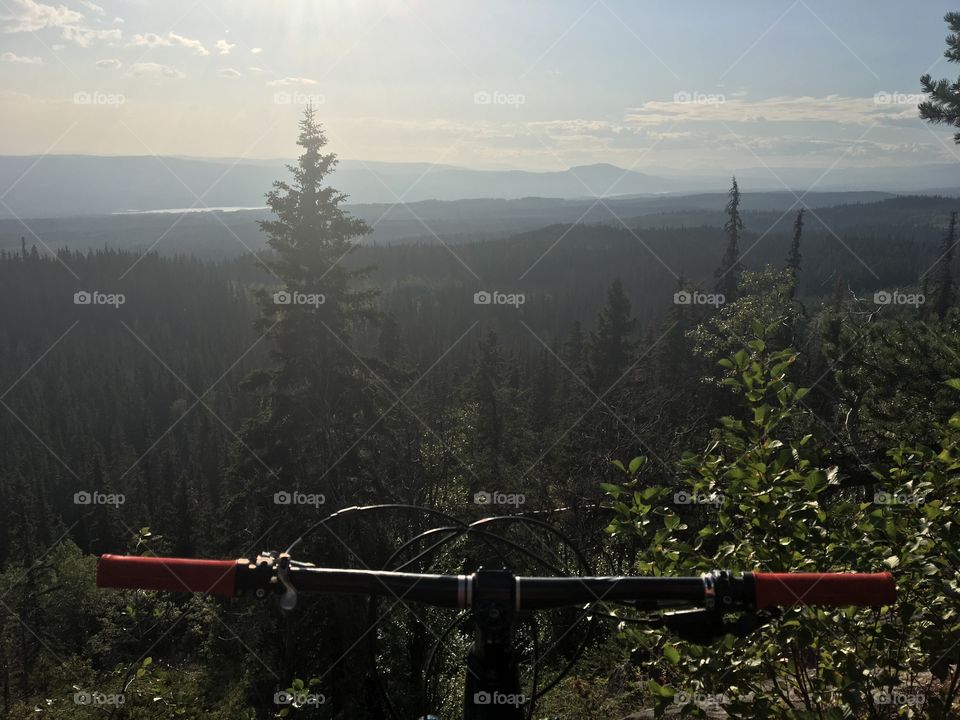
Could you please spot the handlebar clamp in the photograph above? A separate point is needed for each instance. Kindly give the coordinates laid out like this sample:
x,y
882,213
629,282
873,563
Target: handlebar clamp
x,y
725,592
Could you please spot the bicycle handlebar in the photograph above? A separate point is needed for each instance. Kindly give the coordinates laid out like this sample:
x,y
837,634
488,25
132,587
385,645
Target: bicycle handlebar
x,y
217,577
750,590
787,589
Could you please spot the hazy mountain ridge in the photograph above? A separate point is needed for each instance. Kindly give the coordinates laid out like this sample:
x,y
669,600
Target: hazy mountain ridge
x,y
70,185
228,234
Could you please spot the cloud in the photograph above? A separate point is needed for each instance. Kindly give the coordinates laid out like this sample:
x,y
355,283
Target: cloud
x,y
84,36
800,146
703,107
108,64
155,70
152,40
30,16
256,51
229,73
186,42
284,82
92,6
13,58
254,68
149,40
224,47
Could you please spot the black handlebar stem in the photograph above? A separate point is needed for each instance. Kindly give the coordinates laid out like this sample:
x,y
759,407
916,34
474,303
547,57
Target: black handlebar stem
x,y
492,690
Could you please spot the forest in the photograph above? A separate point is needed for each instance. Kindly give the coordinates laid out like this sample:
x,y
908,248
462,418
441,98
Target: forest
x,y
787,410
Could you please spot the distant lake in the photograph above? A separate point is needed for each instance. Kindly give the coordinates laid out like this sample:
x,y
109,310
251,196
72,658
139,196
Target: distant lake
x,y
179,211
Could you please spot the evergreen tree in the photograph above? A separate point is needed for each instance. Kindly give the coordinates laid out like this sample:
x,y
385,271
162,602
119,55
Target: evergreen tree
x,y
322,405
484,390
728,274
923,310
574,349
793,259
838,297
390,344
943,107
544,394
674,348
319,398
573,401
611,348
944,297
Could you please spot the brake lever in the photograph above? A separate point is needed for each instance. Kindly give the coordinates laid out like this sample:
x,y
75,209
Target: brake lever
x,y
269,565
288,601
703,627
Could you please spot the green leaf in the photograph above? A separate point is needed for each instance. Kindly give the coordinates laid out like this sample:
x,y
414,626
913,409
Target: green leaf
x,y
658,689
636,464
611,489
671,654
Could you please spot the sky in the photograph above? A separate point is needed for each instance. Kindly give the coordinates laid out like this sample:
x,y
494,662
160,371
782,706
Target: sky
x,y
654,86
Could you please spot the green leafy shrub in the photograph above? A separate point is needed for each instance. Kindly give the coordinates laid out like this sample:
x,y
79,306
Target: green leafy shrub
x,y
761,498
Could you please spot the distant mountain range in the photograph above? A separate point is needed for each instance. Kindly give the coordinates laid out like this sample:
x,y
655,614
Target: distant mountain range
x,y
70,185
455,222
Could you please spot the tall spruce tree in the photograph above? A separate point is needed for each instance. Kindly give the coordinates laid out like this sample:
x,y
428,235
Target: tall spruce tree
x,y
793,259
944,297
318,398
612,346
943,107
728,274
320,417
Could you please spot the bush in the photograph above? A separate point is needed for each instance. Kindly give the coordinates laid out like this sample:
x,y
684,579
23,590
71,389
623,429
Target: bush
x,y
760,497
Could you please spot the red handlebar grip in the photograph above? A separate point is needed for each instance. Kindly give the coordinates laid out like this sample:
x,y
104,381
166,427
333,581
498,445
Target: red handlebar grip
x,y
161,573
837,589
